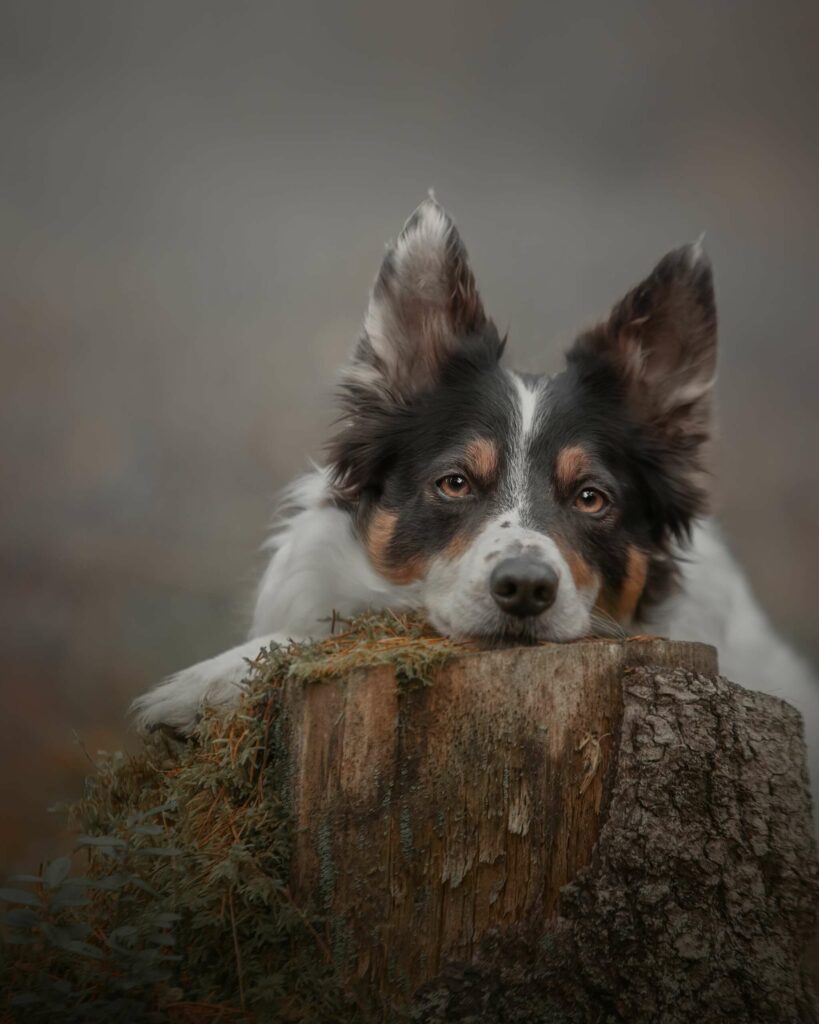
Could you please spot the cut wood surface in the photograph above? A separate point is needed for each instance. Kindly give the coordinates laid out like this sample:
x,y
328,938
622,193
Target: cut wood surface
x,y
428,817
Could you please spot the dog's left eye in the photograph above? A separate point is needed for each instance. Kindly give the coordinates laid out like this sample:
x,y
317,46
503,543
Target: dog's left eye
x,y
454,486
590,500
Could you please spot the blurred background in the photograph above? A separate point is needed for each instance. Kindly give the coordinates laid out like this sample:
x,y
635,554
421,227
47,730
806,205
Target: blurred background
x,y
194,198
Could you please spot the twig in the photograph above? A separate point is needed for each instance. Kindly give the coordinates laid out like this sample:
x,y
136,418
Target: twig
x,y
236,951
320,942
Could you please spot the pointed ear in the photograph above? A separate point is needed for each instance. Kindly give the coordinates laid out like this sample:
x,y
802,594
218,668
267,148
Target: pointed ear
x,y
660,341
657,352
423,309
425,316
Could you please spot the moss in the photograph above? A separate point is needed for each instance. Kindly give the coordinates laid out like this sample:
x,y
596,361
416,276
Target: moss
x,y
404,642
405,832
327,869
182,910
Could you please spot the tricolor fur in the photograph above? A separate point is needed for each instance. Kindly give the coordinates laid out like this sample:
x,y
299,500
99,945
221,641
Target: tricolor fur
x,y
512,507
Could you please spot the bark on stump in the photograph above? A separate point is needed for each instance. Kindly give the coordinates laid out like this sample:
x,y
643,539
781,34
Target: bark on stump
x,y
601,831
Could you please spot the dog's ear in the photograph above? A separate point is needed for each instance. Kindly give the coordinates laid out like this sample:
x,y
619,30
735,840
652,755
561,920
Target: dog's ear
x,y
425,319
661,342
424,308
658,351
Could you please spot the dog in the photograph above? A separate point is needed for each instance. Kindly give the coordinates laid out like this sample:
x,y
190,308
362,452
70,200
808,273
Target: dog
x,y
506,506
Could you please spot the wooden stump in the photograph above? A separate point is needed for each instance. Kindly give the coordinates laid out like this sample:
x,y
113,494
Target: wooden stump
x,y
428,818
604,831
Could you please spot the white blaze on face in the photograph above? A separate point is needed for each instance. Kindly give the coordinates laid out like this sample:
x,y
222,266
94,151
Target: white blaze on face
x,y
526,397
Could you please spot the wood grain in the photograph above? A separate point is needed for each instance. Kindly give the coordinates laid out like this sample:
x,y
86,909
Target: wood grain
x,y
426,819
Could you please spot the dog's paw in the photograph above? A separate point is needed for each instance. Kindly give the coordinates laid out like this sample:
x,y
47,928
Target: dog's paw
x,y
177,702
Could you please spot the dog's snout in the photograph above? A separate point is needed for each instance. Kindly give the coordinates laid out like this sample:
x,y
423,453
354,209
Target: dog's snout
x,y
523,587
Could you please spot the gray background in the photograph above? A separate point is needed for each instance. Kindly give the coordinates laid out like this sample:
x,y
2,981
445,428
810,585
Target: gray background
x,y
193,202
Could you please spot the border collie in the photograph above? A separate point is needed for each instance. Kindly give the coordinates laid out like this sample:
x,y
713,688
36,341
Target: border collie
x,y
506,506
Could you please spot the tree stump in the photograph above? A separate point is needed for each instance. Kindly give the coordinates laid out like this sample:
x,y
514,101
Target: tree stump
x,y
603,830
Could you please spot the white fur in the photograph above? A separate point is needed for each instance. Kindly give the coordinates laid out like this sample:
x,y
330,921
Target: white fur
x,y
528,403
696,251
217,682
317,567
527,399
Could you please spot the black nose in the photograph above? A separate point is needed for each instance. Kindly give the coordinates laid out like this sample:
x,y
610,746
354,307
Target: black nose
x,y
523,587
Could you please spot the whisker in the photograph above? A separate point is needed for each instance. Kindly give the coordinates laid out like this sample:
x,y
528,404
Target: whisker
x,y
605,625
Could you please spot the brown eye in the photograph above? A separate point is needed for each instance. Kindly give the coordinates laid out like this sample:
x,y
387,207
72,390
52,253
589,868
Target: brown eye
x,y
590,500
454,486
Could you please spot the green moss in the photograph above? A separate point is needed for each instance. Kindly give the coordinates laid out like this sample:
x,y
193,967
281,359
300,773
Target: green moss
x,y
181,908
406,643
327,869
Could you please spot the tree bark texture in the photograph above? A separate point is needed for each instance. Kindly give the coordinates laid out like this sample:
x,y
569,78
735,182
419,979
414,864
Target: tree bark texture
x,y
601,831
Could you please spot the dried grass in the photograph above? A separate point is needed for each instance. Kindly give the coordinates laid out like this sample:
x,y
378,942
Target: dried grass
x,y
183,910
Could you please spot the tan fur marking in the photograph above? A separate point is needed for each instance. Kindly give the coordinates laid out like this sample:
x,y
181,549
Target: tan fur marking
x,y
482,459
456,547
623,604
585,578
379,537
570,465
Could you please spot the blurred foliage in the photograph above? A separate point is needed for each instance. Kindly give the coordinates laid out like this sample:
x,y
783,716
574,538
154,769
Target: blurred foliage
x,y
182,910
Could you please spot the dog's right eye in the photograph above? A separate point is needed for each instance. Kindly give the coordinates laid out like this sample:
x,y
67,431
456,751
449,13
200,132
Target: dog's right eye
x,y
454,486
591,500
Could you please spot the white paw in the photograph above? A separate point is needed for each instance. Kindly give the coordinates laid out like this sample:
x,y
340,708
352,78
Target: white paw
x,y
177,702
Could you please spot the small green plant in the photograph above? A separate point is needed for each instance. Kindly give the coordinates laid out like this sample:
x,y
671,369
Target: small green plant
x,y
86,943
182,910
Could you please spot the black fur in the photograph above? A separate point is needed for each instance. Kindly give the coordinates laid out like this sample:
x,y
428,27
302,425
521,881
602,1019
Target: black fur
x,y
375,431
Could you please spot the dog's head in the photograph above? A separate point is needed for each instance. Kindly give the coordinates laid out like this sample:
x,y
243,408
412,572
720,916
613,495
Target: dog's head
x,y
519,506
